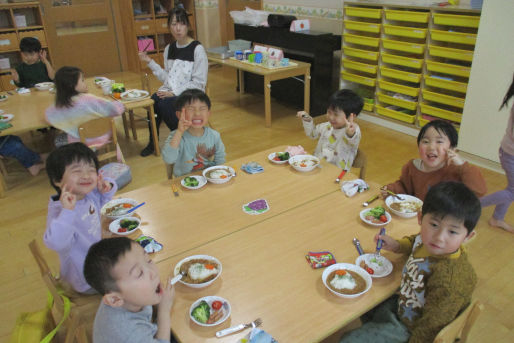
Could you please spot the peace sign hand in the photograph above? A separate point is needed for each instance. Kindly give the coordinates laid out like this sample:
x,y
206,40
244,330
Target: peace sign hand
x,y
350,126
453,158
184,123
68,199
103,185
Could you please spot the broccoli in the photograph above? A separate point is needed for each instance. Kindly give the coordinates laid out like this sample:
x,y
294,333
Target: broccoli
x,y
202,312
284,156
191,181
376,212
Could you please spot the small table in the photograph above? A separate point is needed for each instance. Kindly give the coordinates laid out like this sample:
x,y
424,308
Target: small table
x,y
271,74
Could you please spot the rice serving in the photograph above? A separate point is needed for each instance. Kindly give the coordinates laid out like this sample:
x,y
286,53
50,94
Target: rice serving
x,y
199,271
406,206
349,283
218,174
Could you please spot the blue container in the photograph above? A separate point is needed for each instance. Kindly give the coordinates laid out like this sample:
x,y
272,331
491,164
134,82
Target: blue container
x,y
258,57
239,55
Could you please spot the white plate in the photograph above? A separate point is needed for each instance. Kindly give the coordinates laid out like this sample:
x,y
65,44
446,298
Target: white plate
x,y
392,199
100,79
115,225
201,182
272,156
116,202
6,117
43,86
2,111
134,94
353,268
219,180
296,160
194,257
379,271
3,97
210,299
363,218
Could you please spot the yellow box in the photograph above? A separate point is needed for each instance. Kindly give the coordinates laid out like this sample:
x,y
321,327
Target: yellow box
x,y
456,54
403,46
443,98
453,37
410,105
359,79
402,61
456,20
440,113
361,40
363,12
422,122
405,31
400,75
362,26
367,68
460,87
368,107
394,87
364,54
446,68
407,118
412,16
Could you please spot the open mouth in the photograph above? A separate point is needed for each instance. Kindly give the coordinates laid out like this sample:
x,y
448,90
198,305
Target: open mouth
x,y
158,290
197,122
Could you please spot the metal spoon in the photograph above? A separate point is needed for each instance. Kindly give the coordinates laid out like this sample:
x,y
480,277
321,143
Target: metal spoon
x,y
370,200
175,279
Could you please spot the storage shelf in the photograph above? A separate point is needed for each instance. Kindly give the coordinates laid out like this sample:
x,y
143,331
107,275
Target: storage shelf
x,y
407,118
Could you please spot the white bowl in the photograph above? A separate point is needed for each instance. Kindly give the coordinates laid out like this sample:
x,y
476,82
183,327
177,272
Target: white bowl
x,y
194,257
115,225
297,159
43,86
133,94
4,118
201,182
392,199
115,202
3,97
272,156
100,80
351,267
378,271
363,218
210,299
219,181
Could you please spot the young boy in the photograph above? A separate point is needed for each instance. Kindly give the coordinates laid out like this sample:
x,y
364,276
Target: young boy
x,y
73,222
339,137
193,146
35,67
437,280
119,269
438,162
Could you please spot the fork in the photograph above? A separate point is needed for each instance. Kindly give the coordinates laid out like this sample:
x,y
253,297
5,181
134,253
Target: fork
x,y
257,322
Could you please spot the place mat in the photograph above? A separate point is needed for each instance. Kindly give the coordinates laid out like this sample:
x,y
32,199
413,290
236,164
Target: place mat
x,y
291,64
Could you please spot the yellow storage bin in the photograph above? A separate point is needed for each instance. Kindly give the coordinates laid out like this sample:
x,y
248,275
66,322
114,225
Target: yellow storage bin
x,y
402,61
453,37
410,105
364,54
359,79
361,40
394,87
446,68
422,122
403,46
412,16
440,113
374,13
460,87
456,20
395,114
368,107
443,98
367,68
405,31
362,26
400,75
456,54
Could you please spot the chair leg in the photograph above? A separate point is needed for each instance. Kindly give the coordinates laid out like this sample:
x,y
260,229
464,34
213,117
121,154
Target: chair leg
x,y
125,125
133,124
72,328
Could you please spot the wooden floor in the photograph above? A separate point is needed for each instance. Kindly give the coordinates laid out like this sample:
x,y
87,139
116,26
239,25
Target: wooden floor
x,y
240,120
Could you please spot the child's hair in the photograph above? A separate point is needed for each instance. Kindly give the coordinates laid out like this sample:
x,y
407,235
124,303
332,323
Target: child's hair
x,y
190,95
453,199
30,44
65,155
66,79
510,93
101,259
346,100
443,127
180,15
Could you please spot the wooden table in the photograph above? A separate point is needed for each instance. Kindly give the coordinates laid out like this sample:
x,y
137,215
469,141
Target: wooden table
x,y
271,74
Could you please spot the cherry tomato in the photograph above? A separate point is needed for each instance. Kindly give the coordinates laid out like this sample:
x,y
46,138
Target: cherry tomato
x,y
216,305
122,229
276,158
370,271
383,218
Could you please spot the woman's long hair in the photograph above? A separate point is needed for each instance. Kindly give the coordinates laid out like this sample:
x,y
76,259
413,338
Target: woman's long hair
x,y
66,79
509,94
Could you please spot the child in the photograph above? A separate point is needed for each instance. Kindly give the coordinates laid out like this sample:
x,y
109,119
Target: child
x,y
438,162
437,280
339,137
185,67
12,146
35,67
73,222
129,282
73,106
193,146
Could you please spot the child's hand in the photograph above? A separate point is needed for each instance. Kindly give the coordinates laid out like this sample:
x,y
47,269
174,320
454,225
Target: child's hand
x,y
144,57
68,199
454,158
15,76
184,123
103,185
304,115
389,243
42,55
383,192
164,94
168,296
350,127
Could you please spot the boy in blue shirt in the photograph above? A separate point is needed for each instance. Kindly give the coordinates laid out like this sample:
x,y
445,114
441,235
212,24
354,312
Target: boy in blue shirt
x,y
35,67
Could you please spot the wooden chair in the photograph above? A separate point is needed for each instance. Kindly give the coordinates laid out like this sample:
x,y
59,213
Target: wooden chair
x,y
361,161
458,330
83,307
145,85
98,127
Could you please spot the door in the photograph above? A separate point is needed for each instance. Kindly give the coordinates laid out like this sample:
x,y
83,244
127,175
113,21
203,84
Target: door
x,y
226,21
81,33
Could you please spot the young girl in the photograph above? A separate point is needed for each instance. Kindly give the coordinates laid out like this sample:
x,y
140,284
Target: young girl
x,y
73,222
503,199
73,106
185,67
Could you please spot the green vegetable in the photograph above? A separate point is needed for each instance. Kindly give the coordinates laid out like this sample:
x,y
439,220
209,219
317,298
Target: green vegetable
x,y
118,87
128,224
376,212
202,312
191,181
283,155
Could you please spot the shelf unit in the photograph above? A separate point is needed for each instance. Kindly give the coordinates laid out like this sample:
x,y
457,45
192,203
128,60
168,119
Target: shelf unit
x,y
18,20
410,63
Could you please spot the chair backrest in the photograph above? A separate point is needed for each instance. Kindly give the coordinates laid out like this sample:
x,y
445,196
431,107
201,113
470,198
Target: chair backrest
x,y
169,170
361,161
459,328
98,127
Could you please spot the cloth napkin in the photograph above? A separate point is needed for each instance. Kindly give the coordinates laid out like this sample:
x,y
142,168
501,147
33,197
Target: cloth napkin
x,y
149,244
258,336
296,150
23,90
350,188
252,168
320,259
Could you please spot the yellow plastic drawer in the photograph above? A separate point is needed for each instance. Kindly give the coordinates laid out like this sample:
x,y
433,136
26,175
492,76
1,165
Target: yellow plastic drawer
x,y
460,87
368,107
456,54
456,20
400,75
446,68
440,113
394,87
362,26
367,68
443,99
364,54
403,46
405,31
412,16
402,61
410,105
453,37
367,81
363,12
395,114
422,122
361,40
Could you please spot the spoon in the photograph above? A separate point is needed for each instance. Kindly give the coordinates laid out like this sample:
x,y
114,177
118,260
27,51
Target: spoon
x,y
395,195
135,208
370,200
175,279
